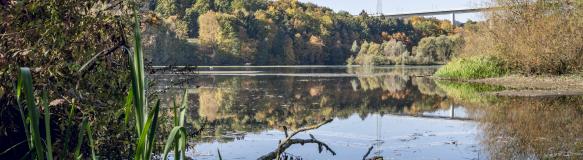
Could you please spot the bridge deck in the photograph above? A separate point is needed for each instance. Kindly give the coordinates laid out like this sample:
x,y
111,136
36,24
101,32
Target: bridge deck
x,y
444,12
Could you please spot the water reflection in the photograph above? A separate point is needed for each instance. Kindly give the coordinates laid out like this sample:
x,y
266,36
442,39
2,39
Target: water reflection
x,y
246,105
399,110
534,128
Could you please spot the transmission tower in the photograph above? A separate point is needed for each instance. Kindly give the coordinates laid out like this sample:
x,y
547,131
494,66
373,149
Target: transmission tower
x,y
379,7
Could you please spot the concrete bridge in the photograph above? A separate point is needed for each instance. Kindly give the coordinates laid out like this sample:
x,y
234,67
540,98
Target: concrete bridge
x,y
442,12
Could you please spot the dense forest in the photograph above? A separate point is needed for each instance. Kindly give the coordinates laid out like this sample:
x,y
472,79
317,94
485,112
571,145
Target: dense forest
x,y
261,32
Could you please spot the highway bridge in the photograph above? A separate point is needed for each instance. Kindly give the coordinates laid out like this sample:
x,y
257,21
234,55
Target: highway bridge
x,y
452,12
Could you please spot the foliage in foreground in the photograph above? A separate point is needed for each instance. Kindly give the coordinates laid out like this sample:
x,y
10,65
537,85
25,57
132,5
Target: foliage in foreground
x,y
54,38
472,68
146,118
41,148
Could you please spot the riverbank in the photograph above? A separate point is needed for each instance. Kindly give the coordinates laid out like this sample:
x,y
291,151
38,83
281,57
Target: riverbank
x,y
531,86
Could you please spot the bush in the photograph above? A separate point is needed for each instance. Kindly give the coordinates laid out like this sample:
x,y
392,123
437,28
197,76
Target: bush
x,y
472,68
439,49
431,50
532,37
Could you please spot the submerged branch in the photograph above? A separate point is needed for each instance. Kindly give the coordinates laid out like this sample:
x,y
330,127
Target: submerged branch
x,y
288,142
367,153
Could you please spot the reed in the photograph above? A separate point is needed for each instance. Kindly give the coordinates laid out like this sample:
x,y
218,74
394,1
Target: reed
x,y
177,137
31,118
146,121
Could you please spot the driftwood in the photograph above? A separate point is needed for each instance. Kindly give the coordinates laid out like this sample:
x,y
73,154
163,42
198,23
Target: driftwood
x,y
289,141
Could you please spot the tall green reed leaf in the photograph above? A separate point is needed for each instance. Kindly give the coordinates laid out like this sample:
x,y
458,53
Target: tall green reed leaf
x,y
128,106
49,144
87,128
146,122
21,109
32,119
80,139
177,137
172,139
68,126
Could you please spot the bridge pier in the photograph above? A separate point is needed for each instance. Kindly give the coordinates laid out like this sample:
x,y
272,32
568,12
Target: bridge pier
x,y
451,111
453,19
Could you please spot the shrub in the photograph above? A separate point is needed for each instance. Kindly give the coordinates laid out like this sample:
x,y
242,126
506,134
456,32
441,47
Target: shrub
x,y
431,50
439,49
471,68
532,37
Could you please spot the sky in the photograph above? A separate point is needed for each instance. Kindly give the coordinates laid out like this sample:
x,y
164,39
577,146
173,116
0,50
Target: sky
x,y
404,6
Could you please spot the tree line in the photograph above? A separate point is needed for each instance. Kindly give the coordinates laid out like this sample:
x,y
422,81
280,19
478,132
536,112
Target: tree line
x,y
262,32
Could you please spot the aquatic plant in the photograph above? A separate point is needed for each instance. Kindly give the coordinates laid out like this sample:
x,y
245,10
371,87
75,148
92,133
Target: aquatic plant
x,y
472,68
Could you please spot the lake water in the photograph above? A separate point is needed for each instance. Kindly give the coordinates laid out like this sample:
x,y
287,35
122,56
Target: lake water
x,y
398,111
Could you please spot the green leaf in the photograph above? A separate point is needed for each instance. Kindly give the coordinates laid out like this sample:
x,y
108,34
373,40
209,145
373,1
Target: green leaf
x,y
33,113
87,127
172,138
146,138
80,139
128,106
68,127
152,130
49,144
183,108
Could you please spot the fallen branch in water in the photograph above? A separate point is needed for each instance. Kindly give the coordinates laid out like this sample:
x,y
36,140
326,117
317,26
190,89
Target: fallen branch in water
x,y
288,142
367,153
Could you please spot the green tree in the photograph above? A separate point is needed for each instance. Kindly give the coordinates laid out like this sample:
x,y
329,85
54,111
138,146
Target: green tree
x,y
166,7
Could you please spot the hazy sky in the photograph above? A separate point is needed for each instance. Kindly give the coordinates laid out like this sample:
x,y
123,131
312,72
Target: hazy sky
x,y
404,6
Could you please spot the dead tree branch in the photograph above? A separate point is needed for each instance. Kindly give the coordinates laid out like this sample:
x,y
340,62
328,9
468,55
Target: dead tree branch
x,y
289,141
367,153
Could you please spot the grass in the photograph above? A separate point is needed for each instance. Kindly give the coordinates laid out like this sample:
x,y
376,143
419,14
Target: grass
x,y
472,68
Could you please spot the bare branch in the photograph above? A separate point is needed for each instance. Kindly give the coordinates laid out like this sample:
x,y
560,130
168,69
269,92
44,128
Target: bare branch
x,y
285,131
100,54
367,153
288,141
307,129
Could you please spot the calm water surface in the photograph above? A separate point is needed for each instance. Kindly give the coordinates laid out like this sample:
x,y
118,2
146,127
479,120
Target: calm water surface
x,y
399,111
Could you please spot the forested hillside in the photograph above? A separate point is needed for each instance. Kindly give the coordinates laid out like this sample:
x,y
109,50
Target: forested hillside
x,y
262,32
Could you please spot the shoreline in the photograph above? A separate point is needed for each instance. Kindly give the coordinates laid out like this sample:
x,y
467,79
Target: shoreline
x,y
535,86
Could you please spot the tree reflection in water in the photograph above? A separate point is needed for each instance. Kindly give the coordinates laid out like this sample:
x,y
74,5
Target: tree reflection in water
x,y
511,127
252,104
